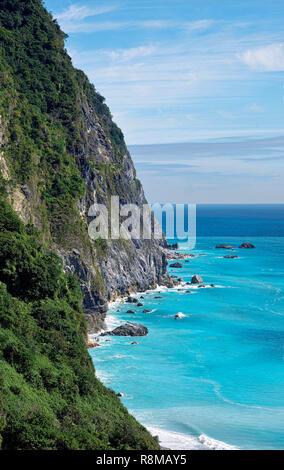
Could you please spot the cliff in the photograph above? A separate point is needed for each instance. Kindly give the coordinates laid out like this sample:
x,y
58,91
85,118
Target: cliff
x,y
50,397
60,153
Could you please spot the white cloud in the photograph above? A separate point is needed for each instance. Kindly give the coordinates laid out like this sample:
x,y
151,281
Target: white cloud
x,y
80,12
255,108
199,25
268,59
124,55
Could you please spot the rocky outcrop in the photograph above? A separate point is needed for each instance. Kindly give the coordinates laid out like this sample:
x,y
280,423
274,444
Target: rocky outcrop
x,y
129,329
246,245
196,279
176,265
226,247
117,267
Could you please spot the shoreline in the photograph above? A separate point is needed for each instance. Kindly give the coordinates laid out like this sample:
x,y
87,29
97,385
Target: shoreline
x,y
168,439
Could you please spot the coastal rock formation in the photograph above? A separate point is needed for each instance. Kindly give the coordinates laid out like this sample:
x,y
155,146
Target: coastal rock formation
x,y
129,329
246,245
226,247
196,279
176,265
85,161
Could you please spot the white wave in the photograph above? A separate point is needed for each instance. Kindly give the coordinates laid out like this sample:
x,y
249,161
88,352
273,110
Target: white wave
x,y
112,321
104,377
178,441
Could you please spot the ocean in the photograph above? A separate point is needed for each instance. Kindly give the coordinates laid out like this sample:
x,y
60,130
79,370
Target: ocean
x,y
213,379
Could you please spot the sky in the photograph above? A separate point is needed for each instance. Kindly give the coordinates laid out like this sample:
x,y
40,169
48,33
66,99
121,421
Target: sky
x,y
209,74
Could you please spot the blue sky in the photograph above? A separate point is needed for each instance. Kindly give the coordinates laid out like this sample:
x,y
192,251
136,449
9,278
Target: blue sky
x,y
188,71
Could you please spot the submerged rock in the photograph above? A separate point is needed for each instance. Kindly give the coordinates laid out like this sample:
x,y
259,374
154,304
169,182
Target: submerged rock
x,y
226,247
139,304
230,256
196,279
246,245
128,329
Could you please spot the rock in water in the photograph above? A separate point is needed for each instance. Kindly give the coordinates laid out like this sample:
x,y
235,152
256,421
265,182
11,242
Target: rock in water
x,y
179,316
129,329
230,256
226,247
196,280
176,265
246,245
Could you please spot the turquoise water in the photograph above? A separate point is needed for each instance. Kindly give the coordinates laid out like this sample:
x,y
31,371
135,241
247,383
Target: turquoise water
x,y
218,372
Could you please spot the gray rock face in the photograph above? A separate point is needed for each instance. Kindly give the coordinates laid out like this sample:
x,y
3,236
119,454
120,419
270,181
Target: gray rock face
x,y
129,329
226,247
196,279
246,245
120,267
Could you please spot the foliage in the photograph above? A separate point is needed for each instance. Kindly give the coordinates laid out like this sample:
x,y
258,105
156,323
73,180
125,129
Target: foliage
x,y
41,99
50,397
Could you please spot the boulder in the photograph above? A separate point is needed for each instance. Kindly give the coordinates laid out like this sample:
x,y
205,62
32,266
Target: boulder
x,y
188,292
146,310
130,311
199,287
179,316
128,329
119,394
212,285
91,345
246,245
230,256
176,265
131,300
139,304
158,297
134,342
226,247
196,279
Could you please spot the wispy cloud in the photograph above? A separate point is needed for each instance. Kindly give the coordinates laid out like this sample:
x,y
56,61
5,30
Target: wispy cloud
x,y
80,12
268,59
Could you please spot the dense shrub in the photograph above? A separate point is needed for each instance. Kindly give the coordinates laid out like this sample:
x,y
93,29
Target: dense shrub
x,y
50,397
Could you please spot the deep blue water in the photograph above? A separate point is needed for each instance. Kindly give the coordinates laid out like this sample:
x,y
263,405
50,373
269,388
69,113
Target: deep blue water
x,y
218,372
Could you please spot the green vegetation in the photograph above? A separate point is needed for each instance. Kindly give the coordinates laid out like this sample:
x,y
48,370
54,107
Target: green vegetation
x,y
50,397
41,99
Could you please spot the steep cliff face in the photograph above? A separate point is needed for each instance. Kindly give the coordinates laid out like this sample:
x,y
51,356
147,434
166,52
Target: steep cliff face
x,y
61,153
